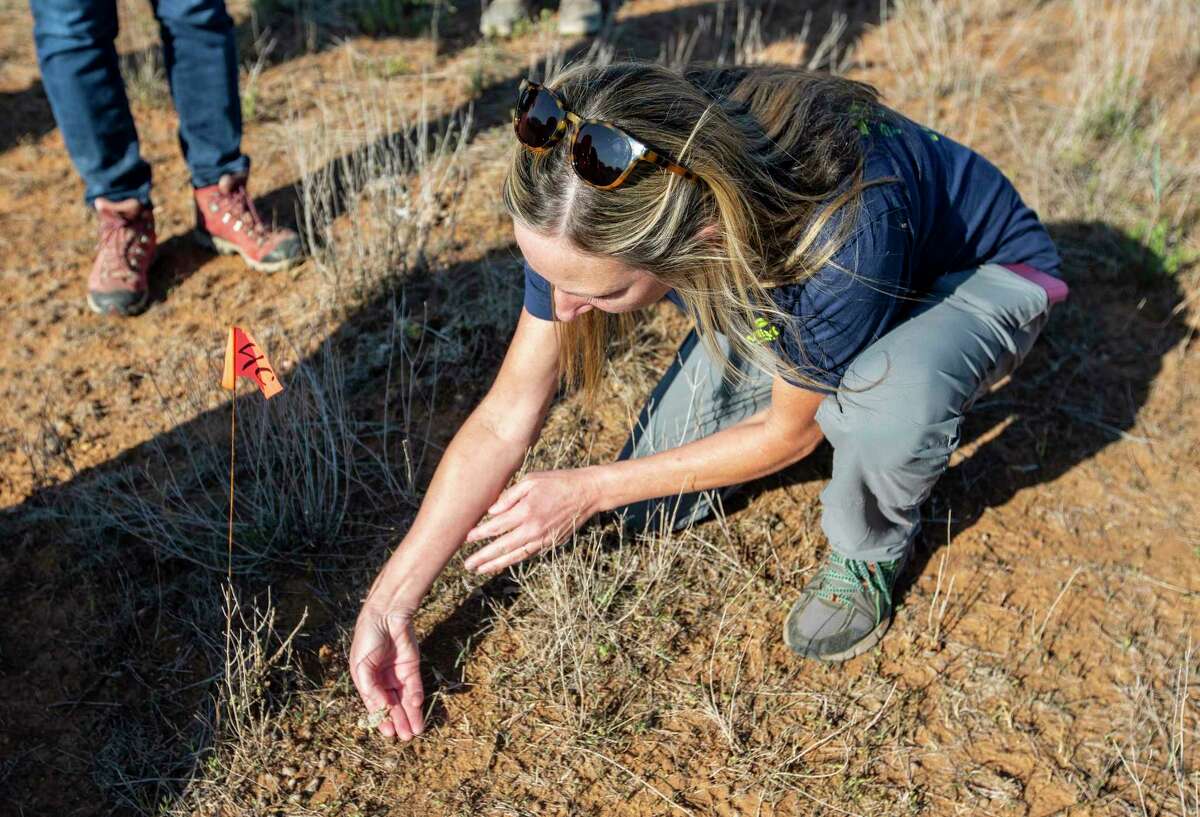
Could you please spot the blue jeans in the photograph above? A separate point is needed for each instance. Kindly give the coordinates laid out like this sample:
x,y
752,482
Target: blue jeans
x,y
78,60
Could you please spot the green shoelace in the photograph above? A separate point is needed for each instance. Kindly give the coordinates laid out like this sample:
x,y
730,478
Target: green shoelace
x,y
841,578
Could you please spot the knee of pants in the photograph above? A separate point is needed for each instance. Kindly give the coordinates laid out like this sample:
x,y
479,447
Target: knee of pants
x,y
913,442
1023,339
889,402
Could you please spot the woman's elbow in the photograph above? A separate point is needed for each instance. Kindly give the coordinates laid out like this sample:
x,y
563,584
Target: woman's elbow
x,y
794,442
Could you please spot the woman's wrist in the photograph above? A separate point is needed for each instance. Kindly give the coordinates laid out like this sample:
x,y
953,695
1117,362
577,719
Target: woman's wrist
x,y
397,587
386,602
605,487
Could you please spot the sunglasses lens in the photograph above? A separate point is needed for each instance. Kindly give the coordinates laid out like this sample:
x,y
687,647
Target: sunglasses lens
x,y
601,154
538,115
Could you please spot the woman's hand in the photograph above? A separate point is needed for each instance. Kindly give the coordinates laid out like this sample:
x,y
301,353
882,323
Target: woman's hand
x,y
385,667
537,513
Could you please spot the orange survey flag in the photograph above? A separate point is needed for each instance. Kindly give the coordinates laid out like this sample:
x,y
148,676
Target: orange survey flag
x,y
245,358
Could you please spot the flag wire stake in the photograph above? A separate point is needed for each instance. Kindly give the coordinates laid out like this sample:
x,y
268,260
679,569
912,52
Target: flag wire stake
x,y
232,455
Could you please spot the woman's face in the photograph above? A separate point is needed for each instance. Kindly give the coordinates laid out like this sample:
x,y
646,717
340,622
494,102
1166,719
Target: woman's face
x,y
582,282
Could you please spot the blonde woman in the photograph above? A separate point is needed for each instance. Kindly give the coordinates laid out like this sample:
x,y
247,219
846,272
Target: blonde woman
x,y
852,276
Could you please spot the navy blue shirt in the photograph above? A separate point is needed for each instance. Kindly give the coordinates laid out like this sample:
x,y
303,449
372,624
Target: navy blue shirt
x,y
950,210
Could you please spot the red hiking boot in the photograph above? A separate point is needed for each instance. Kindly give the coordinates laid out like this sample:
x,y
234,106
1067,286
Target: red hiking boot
x,y
117,284
227,222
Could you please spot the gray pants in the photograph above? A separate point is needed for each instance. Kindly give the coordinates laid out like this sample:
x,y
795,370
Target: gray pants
x,y
892,429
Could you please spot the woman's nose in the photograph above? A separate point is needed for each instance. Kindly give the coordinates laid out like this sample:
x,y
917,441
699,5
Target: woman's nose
x,y
568,307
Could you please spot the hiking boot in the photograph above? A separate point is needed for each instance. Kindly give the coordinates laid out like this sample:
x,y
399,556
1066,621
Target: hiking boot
x,y
579,17
227,222
844,610
118,282
500,16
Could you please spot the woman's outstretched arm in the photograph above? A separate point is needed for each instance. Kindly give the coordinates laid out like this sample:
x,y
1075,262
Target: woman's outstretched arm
x,y
477,464
763,443
546,506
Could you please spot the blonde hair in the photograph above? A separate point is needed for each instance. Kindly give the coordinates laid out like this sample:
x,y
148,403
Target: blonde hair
x,y
778,153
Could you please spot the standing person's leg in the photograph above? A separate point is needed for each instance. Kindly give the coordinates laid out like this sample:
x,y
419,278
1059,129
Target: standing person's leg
x,y
892,433
200,54
77,56
690,401
200,51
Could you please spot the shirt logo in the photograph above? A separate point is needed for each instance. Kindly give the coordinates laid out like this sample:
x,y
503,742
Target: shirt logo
x,y
764,332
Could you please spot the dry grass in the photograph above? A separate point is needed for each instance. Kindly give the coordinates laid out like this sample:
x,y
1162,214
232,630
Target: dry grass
x,y
300,459
376,178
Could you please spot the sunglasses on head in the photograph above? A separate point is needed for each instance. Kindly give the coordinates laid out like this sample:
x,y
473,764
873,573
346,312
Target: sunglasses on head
x,y
601,154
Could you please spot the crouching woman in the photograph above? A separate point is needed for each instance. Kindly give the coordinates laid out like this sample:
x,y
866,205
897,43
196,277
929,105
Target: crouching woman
x,y
852,276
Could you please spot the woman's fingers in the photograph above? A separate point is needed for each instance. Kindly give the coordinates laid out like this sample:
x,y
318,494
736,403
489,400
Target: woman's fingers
x,y
516,552
375,695
509,497
501,512
399,718
511,558
493,527
412,698
387,675
512,539
408,696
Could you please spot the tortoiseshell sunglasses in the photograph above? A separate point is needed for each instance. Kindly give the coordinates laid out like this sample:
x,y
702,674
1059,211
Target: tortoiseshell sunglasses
x,y
602,154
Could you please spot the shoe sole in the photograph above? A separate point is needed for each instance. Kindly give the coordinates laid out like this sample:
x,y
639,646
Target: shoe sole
x,y
866,644
223,247
133,309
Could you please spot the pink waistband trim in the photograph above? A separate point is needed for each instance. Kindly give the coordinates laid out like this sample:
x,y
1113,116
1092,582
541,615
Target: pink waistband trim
x,y
1056,288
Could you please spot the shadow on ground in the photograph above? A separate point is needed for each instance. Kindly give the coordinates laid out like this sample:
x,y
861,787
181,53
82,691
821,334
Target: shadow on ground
x,y
108,684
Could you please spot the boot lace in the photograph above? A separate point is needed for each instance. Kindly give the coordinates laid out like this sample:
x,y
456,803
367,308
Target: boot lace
x,y
124,238
840,578
240,207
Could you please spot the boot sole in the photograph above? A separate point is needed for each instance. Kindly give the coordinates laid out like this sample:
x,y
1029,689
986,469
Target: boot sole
x,y
135,308
223,247
866,644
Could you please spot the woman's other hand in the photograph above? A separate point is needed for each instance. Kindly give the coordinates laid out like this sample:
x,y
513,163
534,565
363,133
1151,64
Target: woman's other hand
x,y
385,666
538,512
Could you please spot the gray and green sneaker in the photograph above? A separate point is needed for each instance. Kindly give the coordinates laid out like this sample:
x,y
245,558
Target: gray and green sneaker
x,y
844,610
